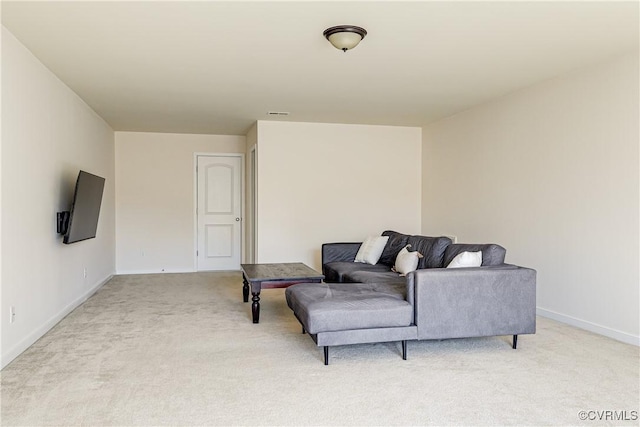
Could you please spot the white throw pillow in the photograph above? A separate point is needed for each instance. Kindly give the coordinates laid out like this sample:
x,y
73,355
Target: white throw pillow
x,y
406,261
466,259
371,249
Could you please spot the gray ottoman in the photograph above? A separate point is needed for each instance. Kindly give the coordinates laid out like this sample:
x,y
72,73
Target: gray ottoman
x,y
353,313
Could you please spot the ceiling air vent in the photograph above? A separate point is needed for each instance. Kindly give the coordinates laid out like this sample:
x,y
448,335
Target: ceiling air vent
x,y
277,113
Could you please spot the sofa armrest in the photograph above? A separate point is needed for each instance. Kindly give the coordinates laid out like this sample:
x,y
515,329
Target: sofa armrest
x,y
345,252
473,302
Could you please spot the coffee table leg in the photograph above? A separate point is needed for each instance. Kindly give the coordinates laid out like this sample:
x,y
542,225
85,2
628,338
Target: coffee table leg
x,y
255,307
245,289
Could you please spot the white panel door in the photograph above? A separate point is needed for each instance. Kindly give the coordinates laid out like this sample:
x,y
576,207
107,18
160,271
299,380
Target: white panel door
x,y
219,212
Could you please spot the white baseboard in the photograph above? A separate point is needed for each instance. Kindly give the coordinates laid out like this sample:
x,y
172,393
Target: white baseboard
x,y
134,272
122,272
8,356
590,326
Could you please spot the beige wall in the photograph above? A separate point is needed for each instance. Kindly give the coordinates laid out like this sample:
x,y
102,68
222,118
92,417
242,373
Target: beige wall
x,y
323,183
48,135
551,173
155,198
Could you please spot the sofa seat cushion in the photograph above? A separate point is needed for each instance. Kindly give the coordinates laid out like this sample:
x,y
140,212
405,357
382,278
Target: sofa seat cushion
x,y
389,277
327,307
335,271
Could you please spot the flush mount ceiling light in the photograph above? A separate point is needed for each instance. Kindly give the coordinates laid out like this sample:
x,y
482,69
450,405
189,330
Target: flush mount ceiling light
x,y
345,37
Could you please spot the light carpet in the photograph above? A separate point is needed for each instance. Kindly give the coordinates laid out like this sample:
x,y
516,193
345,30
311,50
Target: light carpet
x,y
180,349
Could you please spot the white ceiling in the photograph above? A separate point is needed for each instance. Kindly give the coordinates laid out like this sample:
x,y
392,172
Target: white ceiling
x,y
216,67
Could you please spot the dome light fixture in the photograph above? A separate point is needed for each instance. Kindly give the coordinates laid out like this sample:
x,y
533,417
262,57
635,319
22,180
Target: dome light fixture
x,y
345,37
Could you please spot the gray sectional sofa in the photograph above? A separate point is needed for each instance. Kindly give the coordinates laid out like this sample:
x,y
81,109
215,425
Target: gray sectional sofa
x,y
362,303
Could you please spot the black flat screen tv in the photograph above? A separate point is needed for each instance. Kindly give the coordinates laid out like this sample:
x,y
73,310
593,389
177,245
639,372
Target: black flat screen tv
x,y
83,218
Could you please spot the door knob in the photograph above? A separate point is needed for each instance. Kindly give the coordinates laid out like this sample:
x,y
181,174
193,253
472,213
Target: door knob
x,y
237,219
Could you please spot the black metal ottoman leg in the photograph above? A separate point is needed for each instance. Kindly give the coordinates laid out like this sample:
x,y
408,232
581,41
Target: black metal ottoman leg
x,y
255,307
515,341
245,289
404,350
326,355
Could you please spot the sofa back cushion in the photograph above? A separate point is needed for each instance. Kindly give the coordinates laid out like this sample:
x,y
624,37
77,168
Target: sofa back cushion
x,y
492,254
432,249
396,242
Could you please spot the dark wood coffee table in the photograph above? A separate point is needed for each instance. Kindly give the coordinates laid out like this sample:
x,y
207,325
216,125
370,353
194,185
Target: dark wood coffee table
x,y
268,276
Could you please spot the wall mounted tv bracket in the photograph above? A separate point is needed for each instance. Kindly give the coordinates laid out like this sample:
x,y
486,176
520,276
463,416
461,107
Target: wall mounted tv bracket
x,y
63,222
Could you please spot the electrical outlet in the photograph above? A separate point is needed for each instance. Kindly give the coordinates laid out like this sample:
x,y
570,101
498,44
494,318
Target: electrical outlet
x,y
84,272
12,314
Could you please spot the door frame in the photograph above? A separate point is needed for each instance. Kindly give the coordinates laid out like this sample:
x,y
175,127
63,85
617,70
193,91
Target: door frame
x,y
195,202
